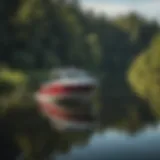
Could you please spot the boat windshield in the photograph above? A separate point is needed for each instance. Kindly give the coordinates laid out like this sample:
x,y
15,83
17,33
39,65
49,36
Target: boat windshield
x,y
75,74
68,73
55,75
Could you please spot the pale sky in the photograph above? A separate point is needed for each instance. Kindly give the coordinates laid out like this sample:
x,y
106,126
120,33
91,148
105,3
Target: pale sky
x,y
148,8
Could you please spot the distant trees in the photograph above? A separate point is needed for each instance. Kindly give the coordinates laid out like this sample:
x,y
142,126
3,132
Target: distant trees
x,y
39,34
43,34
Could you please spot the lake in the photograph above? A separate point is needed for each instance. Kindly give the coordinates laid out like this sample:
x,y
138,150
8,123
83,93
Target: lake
x,y
115,144
125,135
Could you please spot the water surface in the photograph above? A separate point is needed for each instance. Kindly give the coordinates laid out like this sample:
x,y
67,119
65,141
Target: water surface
x,y
125,133
116,144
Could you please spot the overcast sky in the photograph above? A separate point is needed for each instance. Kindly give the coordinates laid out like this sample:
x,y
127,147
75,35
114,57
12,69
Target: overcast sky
x,y
148,8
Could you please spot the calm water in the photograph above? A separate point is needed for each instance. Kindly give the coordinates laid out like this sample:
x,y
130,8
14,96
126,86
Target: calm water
x,y
116,144
124,136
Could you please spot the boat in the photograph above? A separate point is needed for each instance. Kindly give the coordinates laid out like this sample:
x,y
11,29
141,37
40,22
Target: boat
x,y
66,99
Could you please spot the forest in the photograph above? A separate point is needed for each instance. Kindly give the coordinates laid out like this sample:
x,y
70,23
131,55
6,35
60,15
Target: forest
x,y
38,35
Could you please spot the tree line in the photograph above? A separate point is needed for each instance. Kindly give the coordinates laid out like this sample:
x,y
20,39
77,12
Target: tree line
x,y
37,35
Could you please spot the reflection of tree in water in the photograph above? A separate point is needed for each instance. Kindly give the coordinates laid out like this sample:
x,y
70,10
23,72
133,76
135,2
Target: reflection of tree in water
x,y
130,114
35,137
37,140
121,108
8,148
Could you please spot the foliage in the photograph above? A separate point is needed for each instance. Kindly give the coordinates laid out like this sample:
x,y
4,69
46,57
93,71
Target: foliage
x,y
40,34
143,74
12,87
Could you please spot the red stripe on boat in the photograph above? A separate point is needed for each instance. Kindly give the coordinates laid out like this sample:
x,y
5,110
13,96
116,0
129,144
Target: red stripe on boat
x,y
52,89
60,89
